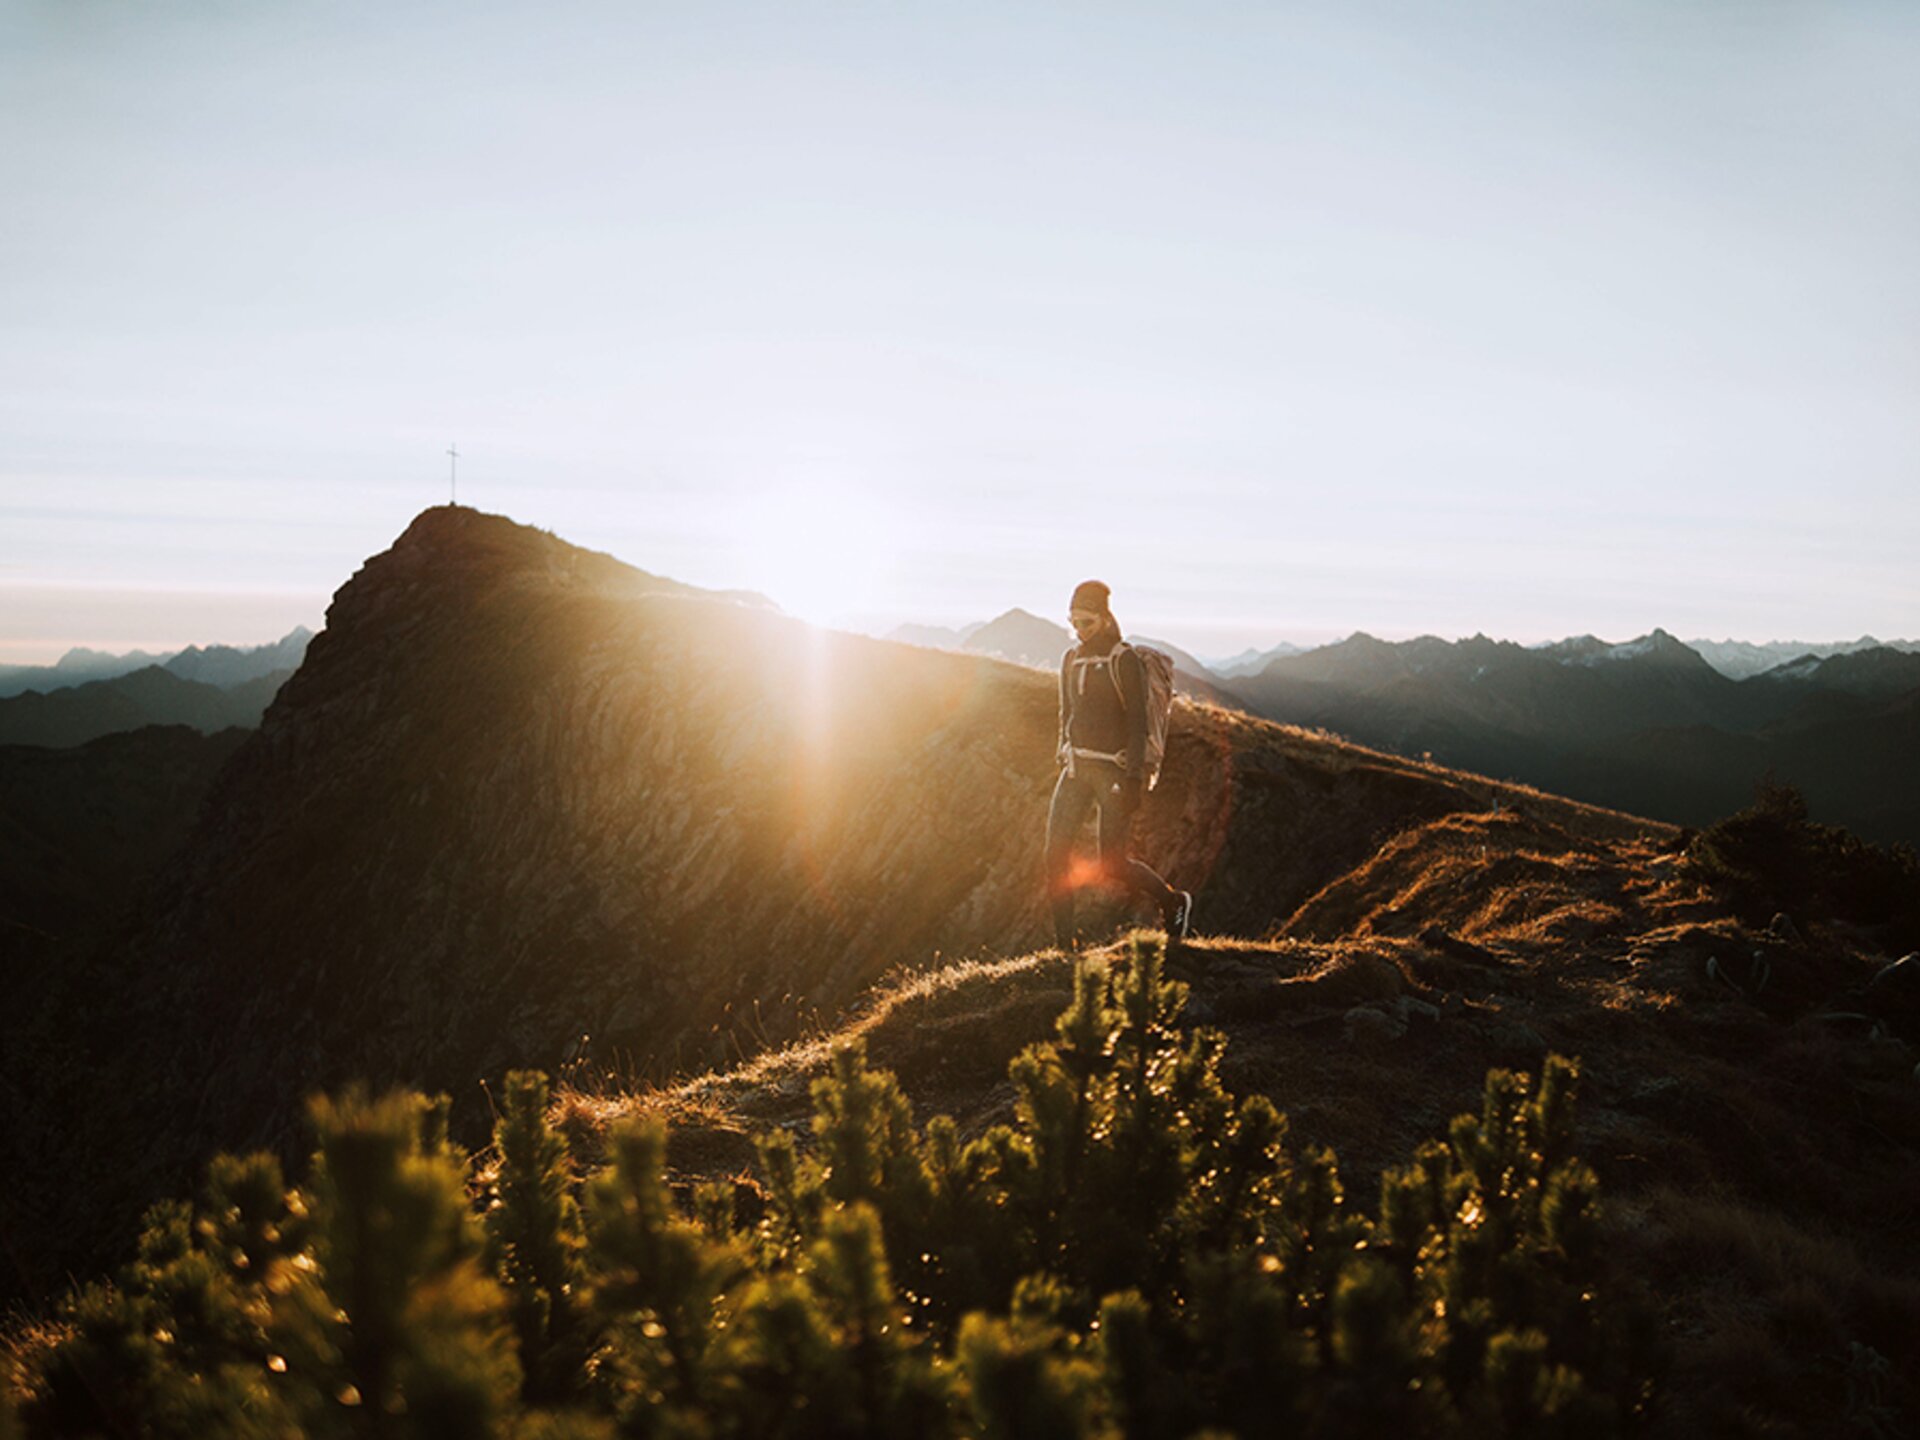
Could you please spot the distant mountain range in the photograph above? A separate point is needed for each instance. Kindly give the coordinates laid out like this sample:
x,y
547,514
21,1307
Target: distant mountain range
x,y
1250,661
1736,659
1678,731
1681,732
1020,635
89,694
153,696
1647,726
937,637
1023,637
1741,659
219,665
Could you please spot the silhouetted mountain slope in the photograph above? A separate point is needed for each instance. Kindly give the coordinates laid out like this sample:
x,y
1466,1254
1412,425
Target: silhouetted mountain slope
x,y
520,792
83,830
1251,661
1741,659
83,826
1565,692
1853,758
1646,726
76,667
1183,662
220,665
1878,671
152,696
228,666
1190,676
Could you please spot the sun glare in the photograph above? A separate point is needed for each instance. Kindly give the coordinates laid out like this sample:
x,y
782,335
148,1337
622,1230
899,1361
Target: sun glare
x,y
823,552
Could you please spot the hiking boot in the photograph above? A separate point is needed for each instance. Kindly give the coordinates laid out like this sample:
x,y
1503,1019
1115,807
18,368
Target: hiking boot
x,y
1178,916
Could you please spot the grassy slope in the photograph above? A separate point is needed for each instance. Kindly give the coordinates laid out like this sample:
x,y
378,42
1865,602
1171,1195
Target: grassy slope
x,y
1760,1160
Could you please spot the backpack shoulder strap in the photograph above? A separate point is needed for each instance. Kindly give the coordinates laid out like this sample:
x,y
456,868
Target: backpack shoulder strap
x,y
1113,669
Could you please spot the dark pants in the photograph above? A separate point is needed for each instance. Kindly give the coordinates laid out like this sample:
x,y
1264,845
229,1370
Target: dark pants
x,y
1094,787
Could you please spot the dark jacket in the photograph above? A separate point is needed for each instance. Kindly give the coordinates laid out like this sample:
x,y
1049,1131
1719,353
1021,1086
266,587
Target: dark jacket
x,y
1097,715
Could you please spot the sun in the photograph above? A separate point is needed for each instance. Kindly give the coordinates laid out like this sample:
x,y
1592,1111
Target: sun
x,y
823,551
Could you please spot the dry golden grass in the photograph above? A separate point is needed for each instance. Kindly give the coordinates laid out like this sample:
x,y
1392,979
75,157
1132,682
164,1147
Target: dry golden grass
x,y
956,1028
24,1338
1760,1164
1493,876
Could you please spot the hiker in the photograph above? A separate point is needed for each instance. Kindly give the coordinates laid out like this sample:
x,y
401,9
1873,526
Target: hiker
x,y
1105,732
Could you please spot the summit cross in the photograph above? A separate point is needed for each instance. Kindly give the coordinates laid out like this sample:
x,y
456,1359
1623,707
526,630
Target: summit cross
x,y
453,474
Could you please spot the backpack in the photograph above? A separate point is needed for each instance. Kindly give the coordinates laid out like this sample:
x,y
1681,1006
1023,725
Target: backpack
x,y
1159,668
1158,671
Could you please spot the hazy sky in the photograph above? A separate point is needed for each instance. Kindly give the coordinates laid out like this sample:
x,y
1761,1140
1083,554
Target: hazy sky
x,y
1287,320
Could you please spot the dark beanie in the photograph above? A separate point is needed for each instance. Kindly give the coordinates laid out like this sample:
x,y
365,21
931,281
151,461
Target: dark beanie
x,y
1091,595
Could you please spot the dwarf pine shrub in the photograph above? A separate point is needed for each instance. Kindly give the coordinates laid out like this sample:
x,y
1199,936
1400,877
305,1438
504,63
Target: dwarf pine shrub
x,y
536,1243
1137,1254
1773,857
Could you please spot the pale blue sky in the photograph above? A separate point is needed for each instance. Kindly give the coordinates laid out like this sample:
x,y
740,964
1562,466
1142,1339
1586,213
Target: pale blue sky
x,y
1286,320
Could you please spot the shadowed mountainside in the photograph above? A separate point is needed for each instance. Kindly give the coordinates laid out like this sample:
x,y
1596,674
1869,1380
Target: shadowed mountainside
x,y
223,666
153,696
1647,726
84,826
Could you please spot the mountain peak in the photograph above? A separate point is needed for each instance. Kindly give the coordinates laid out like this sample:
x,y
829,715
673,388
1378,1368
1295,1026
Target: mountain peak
x,y
451,554
456,532
1022,636
1659,646
1656,647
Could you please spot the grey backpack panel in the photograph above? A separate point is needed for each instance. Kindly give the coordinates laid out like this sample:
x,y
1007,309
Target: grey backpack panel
x,y
1159,668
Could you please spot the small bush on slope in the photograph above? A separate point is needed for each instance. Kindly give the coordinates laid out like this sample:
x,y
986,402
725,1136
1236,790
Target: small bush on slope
x,y
1136,1255
1772,857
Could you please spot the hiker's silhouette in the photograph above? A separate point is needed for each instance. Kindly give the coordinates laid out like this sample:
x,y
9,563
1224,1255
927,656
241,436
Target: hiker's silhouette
x,y
1103,749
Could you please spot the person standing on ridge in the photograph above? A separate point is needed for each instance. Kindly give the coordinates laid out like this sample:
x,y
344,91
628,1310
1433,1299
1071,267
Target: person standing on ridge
x,y
1103,765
